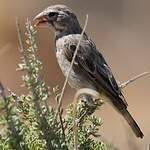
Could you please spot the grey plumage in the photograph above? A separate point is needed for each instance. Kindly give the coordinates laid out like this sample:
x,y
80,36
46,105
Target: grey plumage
x,y
90,69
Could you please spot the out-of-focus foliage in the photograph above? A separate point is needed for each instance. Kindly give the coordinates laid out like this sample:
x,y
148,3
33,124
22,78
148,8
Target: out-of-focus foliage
x,y
27,122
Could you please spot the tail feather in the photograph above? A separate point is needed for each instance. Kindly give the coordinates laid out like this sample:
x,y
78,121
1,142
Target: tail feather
x,y
134,126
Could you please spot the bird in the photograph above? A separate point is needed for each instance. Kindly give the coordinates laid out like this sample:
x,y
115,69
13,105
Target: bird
x,y
90,69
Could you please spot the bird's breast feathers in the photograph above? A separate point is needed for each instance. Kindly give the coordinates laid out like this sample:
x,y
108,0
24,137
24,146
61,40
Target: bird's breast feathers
x,y
62,45
76,80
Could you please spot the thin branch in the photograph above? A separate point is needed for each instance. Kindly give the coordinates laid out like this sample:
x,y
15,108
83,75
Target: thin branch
x,y
124,84
61,119
2,90
21,44
19,36
66,80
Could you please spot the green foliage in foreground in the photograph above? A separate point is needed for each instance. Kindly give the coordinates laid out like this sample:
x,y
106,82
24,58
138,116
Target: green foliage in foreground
x,y
27,122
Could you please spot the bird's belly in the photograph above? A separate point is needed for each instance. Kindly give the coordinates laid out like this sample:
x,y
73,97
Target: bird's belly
x,y
76,80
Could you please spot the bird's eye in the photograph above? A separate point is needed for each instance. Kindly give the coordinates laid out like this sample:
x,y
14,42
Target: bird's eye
x,y
52,14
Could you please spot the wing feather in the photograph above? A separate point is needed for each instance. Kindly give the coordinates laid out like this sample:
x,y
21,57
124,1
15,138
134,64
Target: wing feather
x,y
90,60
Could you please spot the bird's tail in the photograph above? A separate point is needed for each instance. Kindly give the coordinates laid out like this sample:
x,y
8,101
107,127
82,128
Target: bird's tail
x,y
134,126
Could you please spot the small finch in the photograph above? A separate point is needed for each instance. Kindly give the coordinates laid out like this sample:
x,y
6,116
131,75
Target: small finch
x,y
90,69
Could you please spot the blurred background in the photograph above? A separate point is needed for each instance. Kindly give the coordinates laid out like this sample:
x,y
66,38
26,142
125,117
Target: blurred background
x,y
120,28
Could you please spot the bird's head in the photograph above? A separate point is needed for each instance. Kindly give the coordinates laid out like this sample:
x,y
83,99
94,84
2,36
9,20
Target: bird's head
x,y
58,16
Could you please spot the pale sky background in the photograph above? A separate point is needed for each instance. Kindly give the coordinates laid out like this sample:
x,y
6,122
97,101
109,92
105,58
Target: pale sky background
x,y
120,29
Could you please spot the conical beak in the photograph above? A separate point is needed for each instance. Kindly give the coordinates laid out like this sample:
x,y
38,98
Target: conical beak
x,y
40,20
